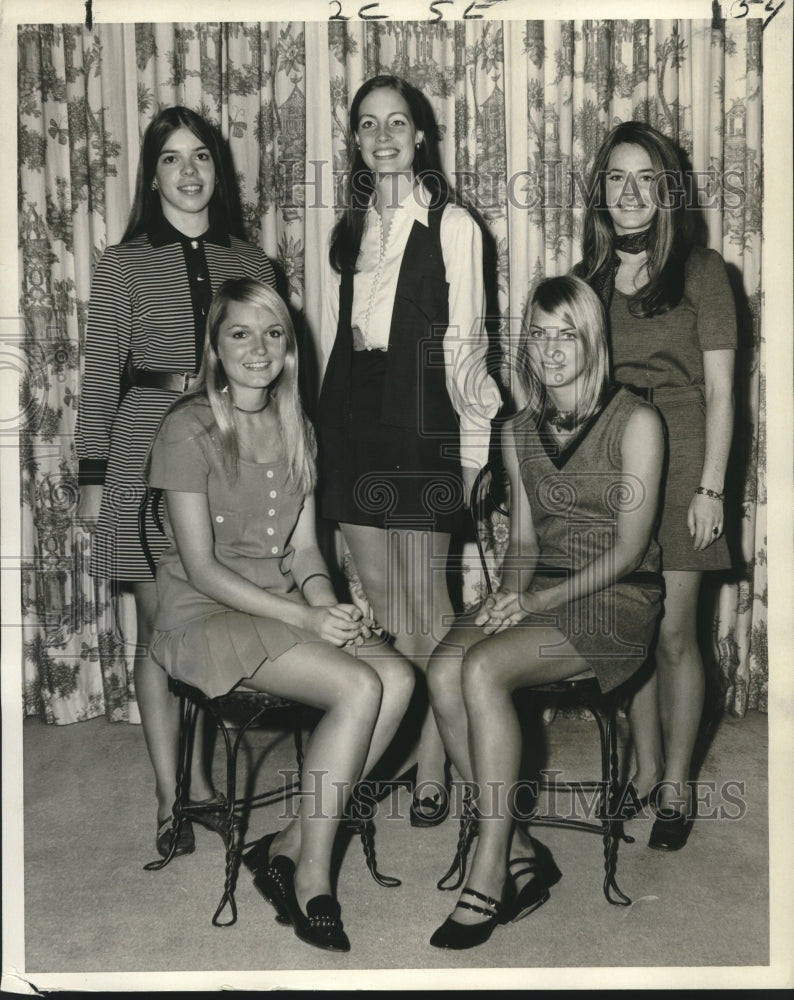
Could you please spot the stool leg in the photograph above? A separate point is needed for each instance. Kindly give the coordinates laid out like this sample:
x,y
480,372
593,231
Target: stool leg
x,y
230,837
468,826
298,737
613,828
366,830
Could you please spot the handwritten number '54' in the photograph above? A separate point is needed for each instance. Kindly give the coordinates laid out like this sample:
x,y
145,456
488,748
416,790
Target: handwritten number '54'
x,y
744,9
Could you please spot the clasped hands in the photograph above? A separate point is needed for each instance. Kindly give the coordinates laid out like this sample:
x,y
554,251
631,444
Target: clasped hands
x,y
340,624
505,608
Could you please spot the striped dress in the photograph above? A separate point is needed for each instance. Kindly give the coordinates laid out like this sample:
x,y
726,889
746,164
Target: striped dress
x,y
149,296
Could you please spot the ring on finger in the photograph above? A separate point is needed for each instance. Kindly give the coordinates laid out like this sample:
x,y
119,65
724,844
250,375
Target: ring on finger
x,y
715,530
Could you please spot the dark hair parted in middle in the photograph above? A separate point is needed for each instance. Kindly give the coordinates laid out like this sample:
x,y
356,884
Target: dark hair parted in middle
x,y
347,233
667,246
146,209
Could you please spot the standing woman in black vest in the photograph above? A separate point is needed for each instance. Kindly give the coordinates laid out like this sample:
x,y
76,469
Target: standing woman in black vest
x,y
406,402
149,299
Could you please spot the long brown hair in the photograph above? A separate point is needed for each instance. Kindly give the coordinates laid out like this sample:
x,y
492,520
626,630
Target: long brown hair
x,y
146,209
667,246
347,233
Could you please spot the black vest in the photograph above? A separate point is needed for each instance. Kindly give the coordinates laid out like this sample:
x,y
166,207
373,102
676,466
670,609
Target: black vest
x,y
415,393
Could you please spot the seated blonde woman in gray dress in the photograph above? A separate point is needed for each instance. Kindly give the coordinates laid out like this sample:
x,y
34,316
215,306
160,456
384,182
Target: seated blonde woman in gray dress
x,y
244,594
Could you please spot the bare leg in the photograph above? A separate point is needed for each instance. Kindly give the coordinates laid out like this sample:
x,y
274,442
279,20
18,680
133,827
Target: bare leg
x,y
348,692
445,687
646,734
160,712
681,683
403,573
492,670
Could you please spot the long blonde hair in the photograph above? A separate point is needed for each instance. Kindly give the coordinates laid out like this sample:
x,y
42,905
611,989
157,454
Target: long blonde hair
x,y
576,302
211,383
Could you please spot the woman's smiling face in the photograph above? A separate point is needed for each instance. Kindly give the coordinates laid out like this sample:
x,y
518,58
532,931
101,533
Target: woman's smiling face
x,y
555,349
630,189
184,177
252,346
386,133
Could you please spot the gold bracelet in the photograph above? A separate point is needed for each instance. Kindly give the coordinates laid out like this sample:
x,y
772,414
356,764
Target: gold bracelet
x,y
704,492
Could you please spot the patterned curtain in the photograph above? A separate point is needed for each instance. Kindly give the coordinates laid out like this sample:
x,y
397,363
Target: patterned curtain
x,y
521,108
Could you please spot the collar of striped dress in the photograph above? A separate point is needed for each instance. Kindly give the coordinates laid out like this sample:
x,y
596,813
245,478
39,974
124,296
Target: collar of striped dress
x,y
162,233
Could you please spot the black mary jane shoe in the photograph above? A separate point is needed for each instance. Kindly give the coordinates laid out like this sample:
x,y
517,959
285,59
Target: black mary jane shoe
x,y
270,875
535,893
186,842
457,936
670,831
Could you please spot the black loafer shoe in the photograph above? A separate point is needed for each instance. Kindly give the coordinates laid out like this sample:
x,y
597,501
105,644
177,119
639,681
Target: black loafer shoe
x,y
323,925
270,876
670,832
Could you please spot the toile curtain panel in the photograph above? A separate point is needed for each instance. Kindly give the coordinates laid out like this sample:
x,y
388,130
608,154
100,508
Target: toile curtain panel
x,y
521,108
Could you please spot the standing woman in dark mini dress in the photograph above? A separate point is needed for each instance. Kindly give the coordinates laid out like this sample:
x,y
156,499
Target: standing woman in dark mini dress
x,y
406,402
149,299
672,338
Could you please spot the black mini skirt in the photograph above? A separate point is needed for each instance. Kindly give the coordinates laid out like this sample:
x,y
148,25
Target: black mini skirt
x,y
384,476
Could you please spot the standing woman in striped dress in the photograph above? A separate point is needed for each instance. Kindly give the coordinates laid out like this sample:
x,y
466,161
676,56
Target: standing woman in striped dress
x,y
149,299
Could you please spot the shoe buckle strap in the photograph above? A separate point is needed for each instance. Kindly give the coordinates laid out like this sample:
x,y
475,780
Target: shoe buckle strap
x,y
482,896
477,909
494,904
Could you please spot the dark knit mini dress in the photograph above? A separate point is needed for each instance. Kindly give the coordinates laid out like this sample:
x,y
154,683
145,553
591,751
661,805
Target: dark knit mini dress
x,y
575,494
662,356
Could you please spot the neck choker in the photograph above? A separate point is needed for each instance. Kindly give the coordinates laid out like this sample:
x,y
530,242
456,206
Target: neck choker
x,y
560,420
260,410
633,243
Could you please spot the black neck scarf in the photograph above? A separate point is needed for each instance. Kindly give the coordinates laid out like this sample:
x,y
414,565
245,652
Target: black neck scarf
x,y
604,283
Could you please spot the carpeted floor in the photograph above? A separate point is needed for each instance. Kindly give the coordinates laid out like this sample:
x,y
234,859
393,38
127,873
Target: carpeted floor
x,y
91,908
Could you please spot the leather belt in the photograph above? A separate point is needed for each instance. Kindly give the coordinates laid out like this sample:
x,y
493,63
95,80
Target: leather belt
x,y
667,393
170,381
